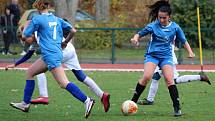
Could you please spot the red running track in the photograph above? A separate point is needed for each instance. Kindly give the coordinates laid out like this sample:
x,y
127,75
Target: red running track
x,y
130,67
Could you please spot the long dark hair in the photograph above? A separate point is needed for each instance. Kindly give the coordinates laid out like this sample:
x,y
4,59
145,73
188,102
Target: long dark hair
x,y
162,5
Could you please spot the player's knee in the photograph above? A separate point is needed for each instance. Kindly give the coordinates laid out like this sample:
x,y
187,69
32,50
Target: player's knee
x,y
156,76
79,74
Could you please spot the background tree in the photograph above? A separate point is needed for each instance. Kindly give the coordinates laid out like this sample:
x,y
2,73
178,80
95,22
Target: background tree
x,y
66,9
102,10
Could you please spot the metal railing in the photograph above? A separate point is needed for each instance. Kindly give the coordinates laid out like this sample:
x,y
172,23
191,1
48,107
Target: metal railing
x,y
111,45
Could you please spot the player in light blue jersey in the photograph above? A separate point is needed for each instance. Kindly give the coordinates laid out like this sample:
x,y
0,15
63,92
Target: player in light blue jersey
x,y
70,60
158,73
159,52
50,35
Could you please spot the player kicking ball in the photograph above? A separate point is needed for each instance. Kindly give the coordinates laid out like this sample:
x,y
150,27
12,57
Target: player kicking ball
x,y
178,80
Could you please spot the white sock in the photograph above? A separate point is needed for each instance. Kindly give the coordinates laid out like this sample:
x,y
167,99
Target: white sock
x,y
42,85
187,78
152,90
87,100
93,86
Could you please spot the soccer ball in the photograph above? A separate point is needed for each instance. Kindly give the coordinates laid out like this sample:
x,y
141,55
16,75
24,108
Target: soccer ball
x,y
129,108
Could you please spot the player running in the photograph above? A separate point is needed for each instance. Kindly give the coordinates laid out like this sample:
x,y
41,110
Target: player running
x,y
49,31
70,60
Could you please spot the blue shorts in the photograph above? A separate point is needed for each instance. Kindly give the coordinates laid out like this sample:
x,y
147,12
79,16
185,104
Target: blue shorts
x,y
159,61
52,60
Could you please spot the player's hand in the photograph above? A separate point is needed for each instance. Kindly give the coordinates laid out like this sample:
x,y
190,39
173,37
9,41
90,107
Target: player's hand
x,y
9,66
191,55
134,42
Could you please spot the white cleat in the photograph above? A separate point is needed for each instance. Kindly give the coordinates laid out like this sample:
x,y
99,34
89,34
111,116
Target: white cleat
x,y
21,106
89,105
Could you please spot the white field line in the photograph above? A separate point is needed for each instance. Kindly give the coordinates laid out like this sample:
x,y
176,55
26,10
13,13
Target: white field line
x,y
125,70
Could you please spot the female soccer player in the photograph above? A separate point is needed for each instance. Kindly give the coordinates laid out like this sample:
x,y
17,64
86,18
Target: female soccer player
x,y
49,29
177,79
158,72
159,52
70,60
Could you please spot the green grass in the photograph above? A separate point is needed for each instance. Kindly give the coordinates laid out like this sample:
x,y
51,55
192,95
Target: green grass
x,y
197,99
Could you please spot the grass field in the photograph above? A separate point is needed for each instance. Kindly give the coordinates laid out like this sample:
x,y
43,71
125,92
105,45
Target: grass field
x,y
197,99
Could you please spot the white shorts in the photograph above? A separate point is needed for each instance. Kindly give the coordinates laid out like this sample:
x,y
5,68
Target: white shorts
x,y
70,59
176,74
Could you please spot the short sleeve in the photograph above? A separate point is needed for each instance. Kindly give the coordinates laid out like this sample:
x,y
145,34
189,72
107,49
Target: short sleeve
x,y
146,30
31,28
180,34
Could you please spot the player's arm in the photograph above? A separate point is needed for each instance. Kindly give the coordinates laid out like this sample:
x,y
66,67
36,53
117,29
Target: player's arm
x,y
27,56
69,37
189,50
29,30
67,26
135,40
141,33
180,35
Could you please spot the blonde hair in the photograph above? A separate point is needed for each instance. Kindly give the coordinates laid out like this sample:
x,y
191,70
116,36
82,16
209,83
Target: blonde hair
x,y
41,4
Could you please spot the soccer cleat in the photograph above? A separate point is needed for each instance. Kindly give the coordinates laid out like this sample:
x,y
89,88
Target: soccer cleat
x,y
105,100
204,78
145,102
40,100
21,106
89,106
177,111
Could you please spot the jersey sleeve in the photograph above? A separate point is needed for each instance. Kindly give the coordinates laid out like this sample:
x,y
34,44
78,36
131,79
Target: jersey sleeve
x,y
145,31
180,35
65,25
25,57
31,28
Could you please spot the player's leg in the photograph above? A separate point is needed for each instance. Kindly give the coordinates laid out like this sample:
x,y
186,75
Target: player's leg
x,y
153,88
37,67
191,78
43,91
70,60
167,70
104,96
62,80
149,67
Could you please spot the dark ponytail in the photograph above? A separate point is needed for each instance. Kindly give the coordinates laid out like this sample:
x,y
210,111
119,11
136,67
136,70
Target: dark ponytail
x,y
162,5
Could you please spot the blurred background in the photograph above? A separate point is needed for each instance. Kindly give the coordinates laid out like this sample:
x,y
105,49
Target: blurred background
x,y
106,26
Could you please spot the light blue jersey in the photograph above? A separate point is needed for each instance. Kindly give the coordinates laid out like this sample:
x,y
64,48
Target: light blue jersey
x,y
160,45
50,35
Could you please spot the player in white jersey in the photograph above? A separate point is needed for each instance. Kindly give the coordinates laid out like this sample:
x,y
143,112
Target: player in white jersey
x,y
178,80
70,60
49,29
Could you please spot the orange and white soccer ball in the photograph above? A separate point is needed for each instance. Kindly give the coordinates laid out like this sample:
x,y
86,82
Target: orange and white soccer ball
x,y
129,108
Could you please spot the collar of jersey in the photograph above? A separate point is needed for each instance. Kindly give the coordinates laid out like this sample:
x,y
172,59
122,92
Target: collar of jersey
x,y
170,22
46,13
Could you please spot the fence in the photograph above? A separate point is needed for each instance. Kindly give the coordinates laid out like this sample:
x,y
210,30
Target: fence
x,y
111,45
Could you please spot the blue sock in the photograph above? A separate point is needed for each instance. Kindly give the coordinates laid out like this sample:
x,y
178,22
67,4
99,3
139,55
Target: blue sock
x,y
76,92
29,89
